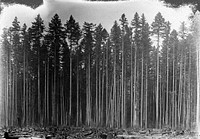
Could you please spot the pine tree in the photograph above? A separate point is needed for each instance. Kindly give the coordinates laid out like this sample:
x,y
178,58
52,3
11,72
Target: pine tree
x,y
73,35
36,35
98,42
165,63
6,59
88,30
124,24
25,45
15,102
57,36
173,41
146,47
158,27
136,25
116,42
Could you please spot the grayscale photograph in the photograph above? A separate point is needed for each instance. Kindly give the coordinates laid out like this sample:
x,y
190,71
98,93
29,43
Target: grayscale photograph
x,y
100,69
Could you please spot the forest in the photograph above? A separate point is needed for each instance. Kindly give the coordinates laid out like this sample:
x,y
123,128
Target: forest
x,y
137,75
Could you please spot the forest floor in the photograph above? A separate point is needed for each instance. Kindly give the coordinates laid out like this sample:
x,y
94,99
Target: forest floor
x,y
96,133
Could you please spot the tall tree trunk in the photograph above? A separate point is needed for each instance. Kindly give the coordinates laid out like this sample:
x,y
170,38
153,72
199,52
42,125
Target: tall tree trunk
x,y
77,93
88,90
184,91
173,89
142,93
38,74
135,89
167,91
54,111
24,87
48,95
198,91
146,98
103,88
189,91
157,82
180,89
97,87
122,86
100,92
45,94
107,84
131,84
70,92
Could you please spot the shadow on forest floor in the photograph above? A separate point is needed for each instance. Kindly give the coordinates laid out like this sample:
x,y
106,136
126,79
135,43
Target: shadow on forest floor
x,y
94,133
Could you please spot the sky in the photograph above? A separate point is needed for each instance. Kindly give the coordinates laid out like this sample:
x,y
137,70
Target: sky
x,y
96,12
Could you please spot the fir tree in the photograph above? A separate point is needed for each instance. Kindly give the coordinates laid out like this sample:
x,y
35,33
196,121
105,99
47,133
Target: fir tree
x,y
56,37
36,35
158,28
73,34
88,30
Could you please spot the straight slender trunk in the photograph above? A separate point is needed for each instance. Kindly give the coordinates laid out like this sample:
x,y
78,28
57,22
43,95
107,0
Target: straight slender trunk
x,y
157,83
198,91
15,94
115,85
88,90
24,86
48,95
97,86
54,110
135,89
167,91
180,90
8,72
142,93
146,98
77,93
160,102
107,84
189,92
99,99
103,87
184,92
122,87
176,110
38,78
70,91
131,84
173,90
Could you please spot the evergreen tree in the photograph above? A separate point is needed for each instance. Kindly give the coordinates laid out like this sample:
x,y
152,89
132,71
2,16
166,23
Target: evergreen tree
x,y
25,45
98,44
158,28
16,53
115,37
145,57
165,71
56,37
124,24
36,35
136,25
73,34
6,60
88,30
173,49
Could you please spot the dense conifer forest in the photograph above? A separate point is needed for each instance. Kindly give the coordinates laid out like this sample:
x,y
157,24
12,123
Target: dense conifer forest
x,y
137,75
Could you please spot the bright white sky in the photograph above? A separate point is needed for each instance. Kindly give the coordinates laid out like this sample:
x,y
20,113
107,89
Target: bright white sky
x,y
96,12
